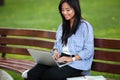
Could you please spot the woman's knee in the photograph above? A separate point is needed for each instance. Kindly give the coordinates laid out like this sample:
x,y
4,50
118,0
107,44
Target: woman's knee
x,y
32,75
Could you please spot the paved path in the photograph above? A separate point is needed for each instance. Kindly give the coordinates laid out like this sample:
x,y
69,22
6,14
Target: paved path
x,y
4,75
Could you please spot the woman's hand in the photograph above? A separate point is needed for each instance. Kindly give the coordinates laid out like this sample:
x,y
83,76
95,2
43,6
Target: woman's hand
x,y
64,59
56,54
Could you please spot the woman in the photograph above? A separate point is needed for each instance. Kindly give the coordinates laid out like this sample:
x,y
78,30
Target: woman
x,y
74,43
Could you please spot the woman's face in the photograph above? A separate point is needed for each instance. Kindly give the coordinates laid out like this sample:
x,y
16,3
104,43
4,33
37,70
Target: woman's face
x,y
67,11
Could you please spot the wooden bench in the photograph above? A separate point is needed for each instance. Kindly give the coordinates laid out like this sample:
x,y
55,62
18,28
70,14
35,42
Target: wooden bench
x,y
16,42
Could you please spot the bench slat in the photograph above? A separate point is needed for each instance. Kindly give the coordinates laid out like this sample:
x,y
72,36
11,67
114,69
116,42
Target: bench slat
x,y
107,55
29,32
107,43
13,50
105,67
21,51
27,42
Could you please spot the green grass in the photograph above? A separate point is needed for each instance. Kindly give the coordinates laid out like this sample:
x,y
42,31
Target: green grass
x,y
44,14
15,76
104,16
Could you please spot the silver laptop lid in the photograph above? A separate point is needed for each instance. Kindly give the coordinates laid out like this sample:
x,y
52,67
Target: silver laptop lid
x,y
42,57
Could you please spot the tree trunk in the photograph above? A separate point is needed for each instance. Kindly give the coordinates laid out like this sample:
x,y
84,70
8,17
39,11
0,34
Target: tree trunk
x,y
1,2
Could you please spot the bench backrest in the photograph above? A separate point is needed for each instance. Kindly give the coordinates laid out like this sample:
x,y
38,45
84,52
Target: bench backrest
x,y
16,41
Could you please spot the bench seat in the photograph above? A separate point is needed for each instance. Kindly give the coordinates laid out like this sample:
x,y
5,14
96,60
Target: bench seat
x,y
17,65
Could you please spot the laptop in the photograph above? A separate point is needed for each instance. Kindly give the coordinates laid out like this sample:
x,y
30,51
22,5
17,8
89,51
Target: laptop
x,y
45,58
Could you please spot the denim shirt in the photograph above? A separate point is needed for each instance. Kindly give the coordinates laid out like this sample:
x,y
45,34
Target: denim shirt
x,y
81,43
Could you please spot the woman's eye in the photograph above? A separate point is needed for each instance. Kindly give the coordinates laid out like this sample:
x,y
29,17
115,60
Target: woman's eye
x,y
68,10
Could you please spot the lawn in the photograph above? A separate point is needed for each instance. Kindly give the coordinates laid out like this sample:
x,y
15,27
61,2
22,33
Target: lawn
x,y
44,14
104,15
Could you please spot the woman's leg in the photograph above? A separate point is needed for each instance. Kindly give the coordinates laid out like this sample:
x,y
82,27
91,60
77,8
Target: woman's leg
x,y
56,73
36,72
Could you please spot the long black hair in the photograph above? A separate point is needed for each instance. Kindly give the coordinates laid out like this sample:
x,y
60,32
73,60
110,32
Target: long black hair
x,y
67,31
